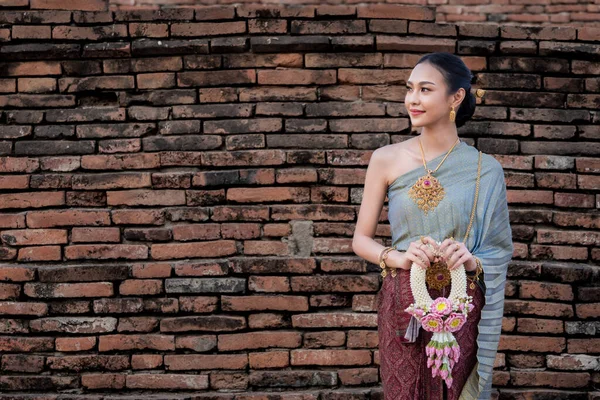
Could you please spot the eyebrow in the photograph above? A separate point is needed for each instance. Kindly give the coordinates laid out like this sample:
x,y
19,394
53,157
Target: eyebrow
x,y
422,82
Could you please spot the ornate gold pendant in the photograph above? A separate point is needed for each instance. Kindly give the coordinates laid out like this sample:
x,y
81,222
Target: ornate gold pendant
x,y
437,275
427,192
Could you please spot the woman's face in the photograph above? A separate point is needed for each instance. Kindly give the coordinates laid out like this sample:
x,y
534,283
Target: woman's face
x,y
426,91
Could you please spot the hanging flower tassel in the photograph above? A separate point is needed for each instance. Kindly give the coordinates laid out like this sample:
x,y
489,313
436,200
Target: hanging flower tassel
x,y
443,352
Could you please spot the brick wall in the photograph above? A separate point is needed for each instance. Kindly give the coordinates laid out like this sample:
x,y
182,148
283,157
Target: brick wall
x,y
178,198
580,13
516,12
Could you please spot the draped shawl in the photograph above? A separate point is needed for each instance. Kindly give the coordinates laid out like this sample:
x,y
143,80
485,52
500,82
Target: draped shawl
x,y
490,238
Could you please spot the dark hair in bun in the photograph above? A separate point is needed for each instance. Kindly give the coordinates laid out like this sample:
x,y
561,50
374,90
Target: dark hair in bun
x,y
457,75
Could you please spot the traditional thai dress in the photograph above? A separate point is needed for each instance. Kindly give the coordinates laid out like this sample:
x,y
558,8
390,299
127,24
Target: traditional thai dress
x,y
403,364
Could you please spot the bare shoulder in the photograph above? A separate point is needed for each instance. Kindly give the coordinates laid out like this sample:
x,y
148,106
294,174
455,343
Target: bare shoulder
x,y
391,158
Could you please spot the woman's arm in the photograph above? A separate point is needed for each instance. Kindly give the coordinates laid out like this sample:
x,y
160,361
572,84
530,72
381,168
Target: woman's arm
x,y
374,193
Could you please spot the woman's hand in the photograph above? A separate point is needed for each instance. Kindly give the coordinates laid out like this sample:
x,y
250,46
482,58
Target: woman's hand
x,y
417,252
456,253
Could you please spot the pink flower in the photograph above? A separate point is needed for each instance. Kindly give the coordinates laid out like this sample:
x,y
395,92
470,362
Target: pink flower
x,y
432,323
447,350
470,307
454,322
441,306
449,382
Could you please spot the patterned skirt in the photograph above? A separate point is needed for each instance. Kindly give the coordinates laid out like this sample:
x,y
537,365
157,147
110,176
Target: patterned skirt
x,y
403,365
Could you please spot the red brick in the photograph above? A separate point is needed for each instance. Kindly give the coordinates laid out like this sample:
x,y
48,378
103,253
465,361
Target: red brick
x,y
136,342
534,325
264,302
67,344
106,252
269,359
37,85
32,200
590,346
31,68
52,290
257,340
31,32
167,381
89,362
90,235
198,304
216,323
590,310
137,324
208,28
103,381
183,362
217,248
146,29
151,270
120,162
15,308
539,344
146,361
141,287
550,379
198,344
40,253
83,5
7,253
269,284
16,274
73,217
26,344
189,232
9,291
22,363
89,33
156,80
28,237
12,221
330,357
13,326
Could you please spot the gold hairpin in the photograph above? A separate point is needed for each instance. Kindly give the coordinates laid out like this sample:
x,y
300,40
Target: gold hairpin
x,y
479,93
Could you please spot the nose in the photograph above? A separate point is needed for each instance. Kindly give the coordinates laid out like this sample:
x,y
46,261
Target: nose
x,y
411,98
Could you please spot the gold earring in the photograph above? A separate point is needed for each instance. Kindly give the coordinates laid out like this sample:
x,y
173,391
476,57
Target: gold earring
x,y
452,114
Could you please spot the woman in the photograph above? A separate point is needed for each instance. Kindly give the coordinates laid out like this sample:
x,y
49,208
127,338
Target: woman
x,y
439,99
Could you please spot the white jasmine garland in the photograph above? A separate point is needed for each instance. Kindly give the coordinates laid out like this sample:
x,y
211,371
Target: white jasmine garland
x,y
441,316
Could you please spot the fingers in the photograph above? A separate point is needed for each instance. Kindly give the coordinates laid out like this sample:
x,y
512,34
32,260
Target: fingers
x,y
429,250
445,244
451,248
461,260
419,260
420,256
459,257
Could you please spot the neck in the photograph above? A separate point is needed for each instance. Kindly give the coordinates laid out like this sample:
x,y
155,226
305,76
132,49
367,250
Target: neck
x,y
436,141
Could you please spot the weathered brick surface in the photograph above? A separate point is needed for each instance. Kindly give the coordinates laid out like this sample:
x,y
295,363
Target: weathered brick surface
x,y
180,186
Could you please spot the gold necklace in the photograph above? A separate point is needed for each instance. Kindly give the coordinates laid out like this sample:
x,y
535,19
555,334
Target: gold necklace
x,y
427,192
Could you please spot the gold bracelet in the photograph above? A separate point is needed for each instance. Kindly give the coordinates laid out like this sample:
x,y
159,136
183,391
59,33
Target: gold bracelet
x,y
385,249
382,257
478,271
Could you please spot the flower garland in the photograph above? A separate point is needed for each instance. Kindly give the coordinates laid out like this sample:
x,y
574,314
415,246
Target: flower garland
x,y
442,316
